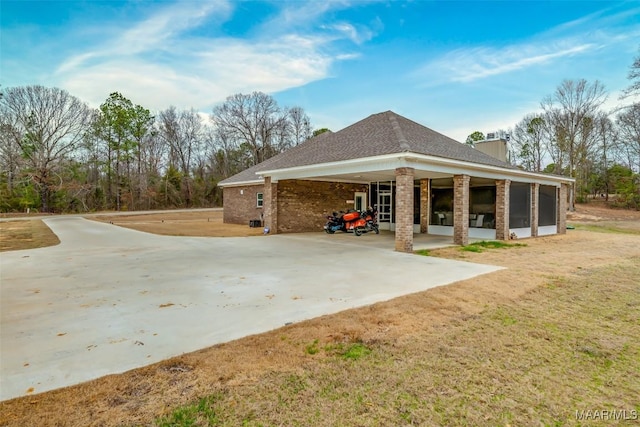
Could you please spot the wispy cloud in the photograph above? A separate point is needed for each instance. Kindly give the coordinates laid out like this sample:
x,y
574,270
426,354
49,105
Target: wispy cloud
x,y
153,33
583,36
466,65
158,60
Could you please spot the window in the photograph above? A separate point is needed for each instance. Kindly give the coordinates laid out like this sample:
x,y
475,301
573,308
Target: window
x,y
519,205
547,205
259,200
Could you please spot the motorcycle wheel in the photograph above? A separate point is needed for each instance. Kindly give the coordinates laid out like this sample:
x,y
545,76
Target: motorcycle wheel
x,y
357,231
329,230
376,229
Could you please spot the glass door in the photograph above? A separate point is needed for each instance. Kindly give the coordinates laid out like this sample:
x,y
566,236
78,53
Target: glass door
x,y
384,209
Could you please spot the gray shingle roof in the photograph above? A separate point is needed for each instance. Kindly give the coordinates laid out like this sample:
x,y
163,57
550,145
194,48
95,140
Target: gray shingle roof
x,y
378,134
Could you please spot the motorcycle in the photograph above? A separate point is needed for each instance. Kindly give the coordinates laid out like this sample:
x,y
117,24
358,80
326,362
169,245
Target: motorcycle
x,y
335,222
367,222
352,221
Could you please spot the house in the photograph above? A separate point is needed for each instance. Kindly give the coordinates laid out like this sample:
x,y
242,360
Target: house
x,y
420,181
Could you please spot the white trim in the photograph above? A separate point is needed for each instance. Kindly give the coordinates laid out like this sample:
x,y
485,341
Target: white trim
x,y
363,195
440,230
420,162
241,183
547,230
482,233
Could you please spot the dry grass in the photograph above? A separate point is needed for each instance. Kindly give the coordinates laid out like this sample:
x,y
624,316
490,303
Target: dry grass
x,y
197,223
558,331
31,234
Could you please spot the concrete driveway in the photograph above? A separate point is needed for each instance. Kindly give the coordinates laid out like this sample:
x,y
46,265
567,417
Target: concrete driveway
x,y
109,299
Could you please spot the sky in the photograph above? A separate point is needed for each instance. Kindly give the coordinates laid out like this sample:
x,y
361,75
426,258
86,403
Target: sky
x,y
454,66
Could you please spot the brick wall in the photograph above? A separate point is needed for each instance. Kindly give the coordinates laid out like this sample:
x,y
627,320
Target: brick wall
x,y
535,208
502,209
270,205
240,204
404,210
461,209
562,208
304,205
425,202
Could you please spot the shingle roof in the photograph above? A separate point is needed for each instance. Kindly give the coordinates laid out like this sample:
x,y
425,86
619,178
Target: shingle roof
x,y
378,134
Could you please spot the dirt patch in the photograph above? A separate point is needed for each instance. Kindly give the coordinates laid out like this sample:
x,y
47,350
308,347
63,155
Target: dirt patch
x,y
432,354
600,211
197,223
31,234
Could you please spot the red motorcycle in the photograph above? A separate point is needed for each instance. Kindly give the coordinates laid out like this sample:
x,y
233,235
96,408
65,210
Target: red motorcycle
x,y
352,221
367,221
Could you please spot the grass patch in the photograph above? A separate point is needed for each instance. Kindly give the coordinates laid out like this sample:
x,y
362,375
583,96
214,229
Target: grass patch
x,y
489,244
312,348
356,351
27,234
201,413
423,252
504,317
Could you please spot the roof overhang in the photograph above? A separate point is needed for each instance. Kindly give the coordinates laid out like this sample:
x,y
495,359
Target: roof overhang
x,y
256,181
379,168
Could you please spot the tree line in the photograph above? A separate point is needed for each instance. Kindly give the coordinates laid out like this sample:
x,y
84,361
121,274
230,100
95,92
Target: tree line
x,y
600,149
573,135
59,155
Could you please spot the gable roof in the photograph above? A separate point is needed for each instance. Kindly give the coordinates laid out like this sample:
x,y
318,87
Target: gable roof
x,y
378,134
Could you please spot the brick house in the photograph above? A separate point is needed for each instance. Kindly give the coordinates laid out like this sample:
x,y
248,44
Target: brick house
x,y
420,181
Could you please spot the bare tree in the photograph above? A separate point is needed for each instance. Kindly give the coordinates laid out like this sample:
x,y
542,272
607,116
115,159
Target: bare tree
x,y
52,124
251,120
570,112
184,133
606,136
10,153
529,141
301,128
628,122
634,77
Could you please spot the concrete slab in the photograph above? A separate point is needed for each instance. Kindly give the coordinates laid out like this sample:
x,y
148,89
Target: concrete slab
x,y
109,299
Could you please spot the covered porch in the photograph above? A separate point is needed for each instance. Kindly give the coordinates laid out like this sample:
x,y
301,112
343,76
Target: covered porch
x,y
423,195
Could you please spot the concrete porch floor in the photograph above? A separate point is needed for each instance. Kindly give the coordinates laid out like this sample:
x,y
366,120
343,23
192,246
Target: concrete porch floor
x,y
384,240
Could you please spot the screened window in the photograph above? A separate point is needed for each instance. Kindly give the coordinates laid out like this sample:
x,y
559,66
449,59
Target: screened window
x,y
519,205
547,205
259,200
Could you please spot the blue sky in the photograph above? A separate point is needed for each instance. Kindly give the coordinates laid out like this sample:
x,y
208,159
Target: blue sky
x,y
453,66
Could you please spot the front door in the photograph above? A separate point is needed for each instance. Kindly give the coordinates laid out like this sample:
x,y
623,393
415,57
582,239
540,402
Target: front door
x,y
384,210
360,202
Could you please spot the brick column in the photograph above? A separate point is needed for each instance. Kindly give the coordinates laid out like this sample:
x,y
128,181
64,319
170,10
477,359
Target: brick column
x,y
404,209
270,205
503,187
461,209
425,205
535,202
562,209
